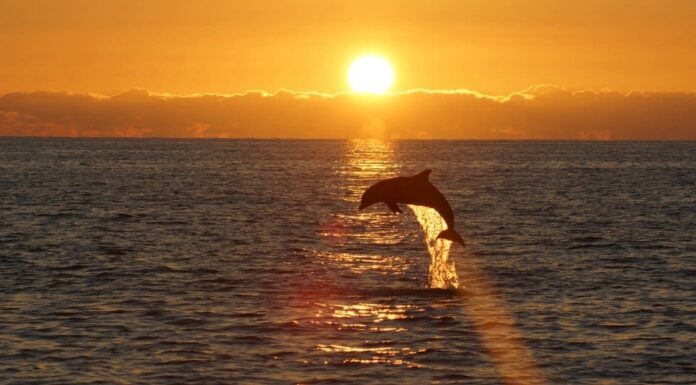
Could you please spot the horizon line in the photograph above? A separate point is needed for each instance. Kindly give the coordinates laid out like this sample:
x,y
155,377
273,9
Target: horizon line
x,y
335,139
525,93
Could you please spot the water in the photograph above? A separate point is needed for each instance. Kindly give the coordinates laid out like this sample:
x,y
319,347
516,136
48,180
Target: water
x,y
247,262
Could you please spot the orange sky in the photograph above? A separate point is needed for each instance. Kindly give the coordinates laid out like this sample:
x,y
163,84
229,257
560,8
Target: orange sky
x,y
219,46
614,69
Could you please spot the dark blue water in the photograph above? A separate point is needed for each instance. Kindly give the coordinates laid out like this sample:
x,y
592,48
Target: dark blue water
x,y
247,262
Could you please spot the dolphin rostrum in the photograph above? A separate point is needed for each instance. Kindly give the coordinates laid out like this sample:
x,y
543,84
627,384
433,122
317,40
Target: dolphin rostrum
x,y
412,190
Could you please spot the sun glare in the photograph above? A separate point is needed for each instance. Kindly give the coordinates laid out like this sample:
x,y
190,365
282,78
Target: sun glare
x,y
370,74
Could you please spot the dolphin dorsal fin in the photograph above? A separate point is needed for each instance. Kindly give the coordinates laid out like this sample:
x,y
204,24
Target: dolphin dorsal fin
x,y
423,175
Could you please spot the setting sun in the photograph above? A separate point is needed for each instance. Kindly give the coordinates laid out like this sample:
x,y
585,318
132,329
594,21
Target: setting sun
x,y
370,74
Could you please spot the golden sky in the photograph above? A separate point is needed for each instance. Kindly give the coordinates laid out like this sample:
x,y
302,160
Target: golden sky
x,y
221,46
474,69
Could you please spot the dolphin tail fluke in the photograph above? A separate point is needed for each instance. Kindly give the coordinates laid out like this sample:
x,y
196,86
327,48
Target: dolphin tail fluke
x,y
451,235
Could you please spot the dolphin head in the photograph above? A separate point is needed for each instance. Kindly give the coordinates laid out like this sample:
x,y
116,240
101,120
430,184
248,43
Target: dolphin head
x,y
370,197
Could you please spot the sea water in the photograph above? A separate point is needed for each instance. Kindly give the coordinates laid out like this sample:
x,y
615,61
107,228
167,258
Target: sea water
x,y
247,262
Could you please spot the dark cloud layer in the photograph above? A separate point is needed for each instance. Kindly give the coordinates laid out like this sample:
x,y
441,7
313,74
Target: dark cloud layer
x,y
537,113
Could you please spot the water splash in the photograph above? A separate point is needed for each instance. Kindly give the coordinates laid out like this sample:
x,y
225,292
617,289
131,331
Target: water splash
x,y
443,272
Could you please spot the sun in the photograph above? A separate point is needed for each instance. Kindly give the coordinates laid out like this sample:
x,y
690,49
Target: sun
x,y
370,74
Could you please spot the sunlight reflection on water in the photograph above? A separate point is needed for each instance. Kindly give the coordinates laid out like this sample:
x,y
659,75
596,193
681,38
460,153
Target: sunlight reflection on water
x,y
373,160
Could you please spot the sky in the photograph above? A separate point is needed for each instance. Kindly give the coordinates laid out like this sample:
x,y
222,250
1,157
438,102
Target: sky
x,y
178,51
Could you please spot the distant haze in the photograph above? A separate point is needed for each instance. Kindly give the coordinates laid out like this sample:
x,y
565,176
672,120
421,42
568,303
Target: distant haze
x,y
537,113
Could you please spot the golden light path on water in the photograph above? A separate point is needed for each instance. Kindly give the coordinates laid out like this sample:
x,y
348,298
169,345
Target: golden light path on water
x,y
496,328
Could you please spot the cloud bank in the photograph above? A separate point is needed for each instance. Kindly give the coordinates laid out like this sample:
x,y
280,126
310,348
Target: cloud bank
x,y
541,112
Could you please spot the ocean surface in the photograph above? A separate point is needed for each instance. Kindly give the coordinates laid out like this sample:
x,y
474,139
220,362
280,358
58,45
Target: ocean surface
x,y
247,262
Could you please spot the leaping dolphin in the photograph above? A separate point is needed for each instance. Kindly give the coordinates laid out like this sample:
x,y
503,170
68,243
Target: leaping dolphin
x,y
412,190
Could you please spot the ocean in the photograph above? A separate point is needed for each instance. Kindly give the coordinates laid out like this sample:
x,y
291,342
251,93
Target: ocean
x,y
153,261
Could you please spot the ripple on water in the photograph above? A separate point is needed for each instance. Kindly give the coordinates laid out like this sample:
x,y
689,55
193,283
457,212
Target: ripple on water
x,y
178,261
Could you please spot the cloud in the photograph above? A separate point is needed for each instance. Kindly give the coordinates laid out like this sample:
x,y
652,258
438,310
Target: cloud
x,y
540,112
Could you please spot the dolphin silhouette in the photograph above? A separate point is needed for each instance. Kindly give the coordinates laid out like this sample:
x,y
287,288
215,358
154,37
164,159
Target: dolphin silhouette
x,y
412,190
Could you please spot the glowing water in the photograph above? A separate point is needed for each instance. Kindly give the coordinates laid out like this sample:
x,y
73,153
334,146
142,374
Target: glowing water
x,y
443,272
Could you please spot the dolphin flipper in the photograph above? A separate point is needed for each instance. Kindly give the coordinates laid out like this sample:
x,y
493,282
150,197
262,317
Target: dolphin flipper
x,y
451,235
394,207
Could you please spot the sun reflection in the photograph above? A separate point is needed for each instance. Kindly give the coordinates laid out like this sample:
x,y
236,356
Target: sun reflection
x,y
378,355
365,162
376,312
361,263
361,317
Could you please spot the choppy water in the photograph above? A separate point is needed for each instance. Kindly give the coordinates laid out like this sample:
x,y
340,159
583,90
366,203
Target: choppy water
x,y
247,262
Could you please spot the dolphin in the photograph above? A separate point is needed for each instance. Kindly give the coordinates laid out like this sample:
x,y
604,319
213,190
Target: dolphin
x,y
412,190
